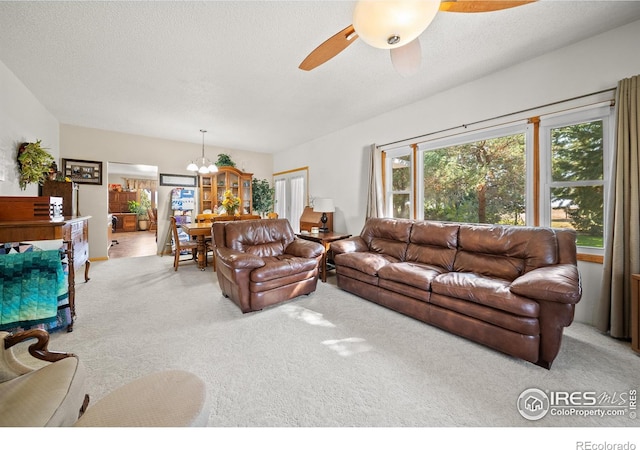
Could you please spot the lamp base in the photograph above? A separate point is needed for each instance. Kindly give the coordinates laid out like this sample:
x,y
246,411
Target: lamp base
x,y
323,228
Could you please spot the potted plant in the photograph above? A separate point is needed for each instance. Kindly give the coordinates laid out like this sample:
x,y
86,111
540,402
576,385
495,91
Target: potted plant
x,y
33,163
224,160
262,196
140,209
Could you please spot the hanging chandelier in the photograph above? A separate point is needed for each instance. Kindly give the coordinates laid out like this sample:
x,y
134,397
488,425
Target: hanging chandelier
x,y
206,165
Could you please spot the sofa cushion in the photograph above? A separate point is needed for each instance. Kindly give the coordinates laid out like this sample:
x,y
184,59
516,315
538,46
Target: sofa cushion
x,y
503,251
433,243
487,291
524,325
365,262
417,275
282,266
396,287
387,236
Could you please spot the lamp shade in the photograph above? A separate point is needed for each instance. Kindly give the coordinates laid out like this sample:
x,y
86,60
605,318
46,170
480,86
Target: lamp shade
x,y
323,205
392,23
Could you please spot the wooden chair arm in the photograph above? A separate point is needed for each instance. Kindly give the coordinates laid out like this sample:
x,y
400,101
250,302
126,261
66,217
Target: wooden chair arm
x,y
39,349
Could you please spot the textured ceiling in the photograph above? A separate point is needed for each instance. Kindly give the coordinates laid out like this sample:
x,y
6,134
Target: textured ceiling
x,y
169,69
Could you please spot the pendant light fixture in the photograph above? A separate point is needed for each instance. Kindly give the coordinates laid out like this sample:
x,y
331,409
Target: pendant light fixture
x,y
206,165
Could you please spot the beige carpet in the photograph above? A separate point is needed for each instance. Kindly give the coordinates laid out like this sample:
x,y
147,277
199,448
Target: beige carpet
x,y
329,359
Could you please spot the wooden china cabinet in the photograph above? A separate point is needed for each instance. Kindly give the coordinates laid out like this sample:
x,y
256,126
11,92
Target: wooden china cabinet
x,y
213,186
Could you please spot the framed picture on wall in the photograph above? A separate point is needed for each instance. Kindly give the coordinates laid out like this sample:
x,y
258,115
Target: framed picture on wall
x,y
82,171
170,179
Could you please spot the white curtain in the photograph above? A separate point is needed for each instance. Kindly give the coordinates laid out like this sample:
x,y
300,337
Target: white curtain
x,y
297,202
375,199
281,198
622,246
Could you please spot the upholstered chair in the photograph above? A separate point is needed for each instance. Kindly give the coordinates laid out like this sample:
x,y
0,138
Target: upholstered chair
x,y
48,391
261,262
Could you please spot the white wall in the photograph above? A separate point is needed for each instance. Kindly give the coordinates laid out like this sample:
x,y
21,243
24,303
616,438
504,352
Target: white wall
x,y
22,119
170,157
338,162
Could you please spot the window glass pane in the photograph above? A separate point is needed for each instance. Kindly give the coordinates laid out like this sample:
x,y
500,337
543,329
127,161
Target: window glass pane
x,y
576,152
401,173
580,208
480,182
401,206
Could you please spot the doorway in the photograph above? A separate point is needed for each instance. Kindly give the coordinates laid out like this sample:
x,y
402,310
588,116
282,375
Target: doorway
x,y
133,199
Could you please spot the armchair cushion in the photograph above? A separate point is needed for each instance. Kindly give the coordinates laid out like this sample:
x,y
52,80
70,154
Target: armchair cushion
x,y
281,267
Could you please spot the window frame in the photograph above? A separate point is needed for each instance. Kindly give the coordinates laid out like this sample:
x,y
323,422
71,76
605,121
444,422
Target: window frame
x,y
388,181
606,115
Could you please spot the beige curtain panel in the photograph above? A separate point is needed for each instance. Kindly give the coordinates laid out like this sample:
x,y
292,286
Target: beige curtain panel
x,y
375,202
622,249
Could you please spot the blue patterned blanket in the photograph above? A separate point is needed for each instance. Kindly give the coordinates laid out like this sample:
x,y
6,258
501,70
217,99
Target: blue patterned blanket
x,y
31,286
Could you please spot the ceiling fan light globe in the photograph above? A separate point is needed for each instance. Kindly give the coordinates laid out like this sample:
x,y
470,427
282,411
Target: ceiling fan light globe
x,y
212,168
203,170
192,167
376,21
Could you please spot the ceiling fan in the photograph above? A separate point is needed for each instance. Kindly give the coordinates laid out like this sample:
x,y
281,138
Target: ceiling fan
x,y
396,25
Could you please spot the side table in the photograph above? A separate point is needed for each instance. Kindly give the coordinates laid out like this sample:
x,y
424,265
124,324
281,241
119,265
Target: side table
x,y
325,239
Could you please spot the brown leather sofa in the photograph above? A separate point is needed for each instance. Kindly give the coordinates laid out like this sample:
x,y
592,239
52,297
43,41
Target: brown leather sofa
x,y
511,288
261,262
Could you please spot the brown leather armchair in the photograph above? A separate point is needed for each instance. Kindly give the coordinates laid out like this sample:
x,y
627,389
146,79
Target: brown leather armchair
x,y
261,262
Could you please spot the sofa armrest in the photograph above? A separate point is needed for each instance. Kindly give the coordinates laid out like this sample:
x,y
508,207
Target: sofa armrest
x,y
304,249
39,349
559,283
349,245
237,260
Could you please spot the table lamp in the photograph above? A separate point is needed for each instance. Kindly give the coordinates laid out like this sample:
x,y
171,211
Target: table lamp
x,y
323,205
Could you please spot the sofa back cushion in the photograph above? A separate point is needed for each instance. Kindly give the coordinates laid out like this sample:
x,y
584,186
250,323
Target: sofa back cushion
x,y
504,251
387,236
267,237
433,243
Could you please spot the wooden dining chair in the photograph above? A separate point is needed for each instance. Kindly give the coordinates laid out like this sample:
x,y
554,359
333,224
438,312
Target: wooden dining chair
x,y
179,246
208,242
153,220
205,218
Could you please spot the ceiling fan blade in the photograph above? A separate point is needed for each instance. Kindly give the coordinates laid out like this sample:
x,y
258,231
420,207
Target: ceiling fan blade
x,y
407,59
329,48
476,6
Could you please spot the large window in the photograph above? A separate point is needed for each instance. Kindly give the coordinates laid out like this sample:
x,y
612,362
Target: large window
x,y
554,174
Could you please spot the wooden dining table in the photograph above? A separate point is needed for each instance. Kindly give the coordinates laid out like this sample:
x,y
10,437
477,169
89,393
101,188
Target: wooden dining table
x,y
200,231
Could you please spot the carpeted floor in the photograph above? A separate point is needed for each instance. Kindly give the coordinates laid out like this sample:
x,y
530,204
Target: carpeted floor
x,y
329,359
